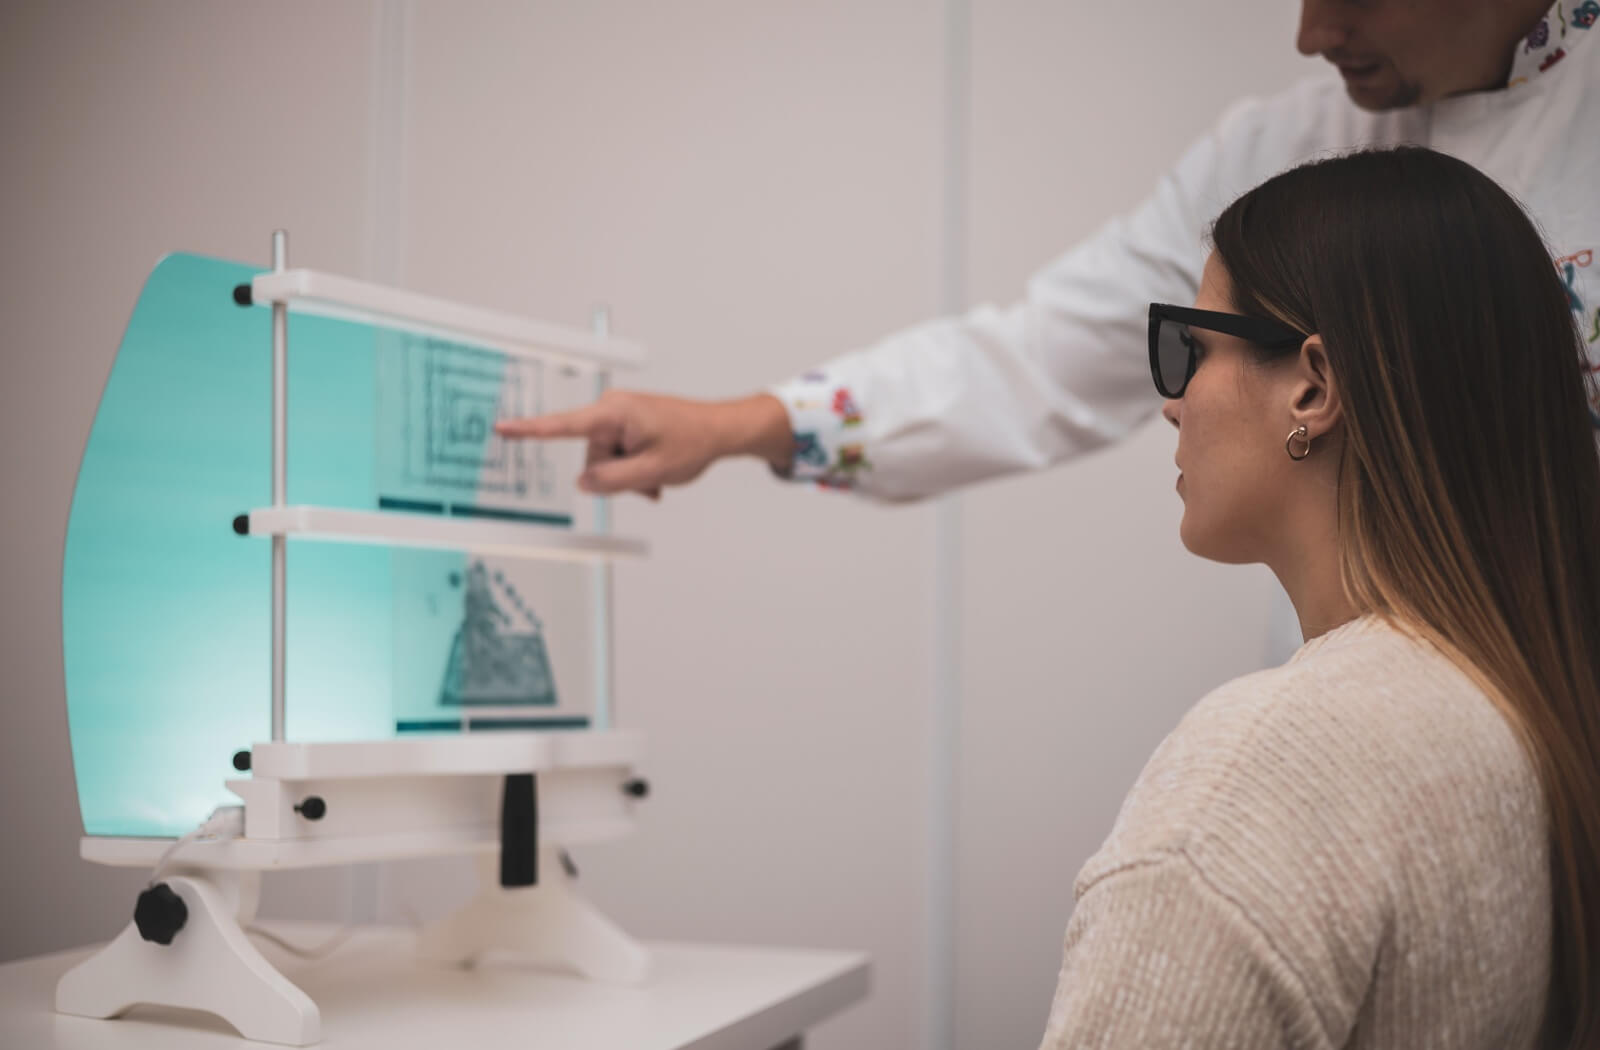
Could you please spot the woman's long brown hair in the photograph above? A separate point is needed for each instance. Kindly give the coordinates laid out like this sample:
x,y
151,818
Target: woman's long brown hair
x,y
1470,485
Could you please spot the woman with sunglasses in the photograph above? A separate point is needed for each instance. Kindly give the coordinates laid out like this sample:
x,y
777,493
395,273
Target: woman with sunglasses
x,y
1394,839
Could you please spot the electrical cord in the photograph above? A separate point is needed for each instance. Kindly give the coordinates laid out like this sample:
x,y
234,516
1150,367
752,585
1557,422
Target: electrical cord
x,y
326,948
225,822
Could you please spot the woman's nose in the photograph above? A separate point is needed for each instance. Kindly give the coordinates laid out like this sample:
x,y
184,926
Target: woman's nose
x,y
1171,409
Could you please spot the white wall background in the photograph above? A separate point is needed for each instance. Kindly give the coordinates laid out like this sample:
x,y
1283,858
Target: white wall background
x,y
751,187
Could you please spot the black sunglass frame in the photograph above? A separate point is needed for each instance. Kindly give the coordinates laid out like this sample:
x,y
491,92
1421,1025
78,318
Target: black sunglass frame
x,y
1274,335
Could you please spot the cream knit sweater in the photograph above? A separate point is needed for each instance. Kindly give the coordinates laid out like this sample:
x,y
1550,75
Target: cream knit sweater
x,y
1346,851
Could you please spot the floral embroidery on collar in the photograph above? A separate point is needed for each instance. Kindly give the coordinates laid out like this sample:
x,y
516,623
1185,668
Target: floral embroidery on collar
x,y
1557,31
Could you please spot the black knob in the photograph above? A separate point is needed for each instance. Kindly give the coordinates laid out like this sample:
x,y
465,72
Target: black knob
x,y
243,294
241,761
241,524
638,787
312,807
160,914
519,831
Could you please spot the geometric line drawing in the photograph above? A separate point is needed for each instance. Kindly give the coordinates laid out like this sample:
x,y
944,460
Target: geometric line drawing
x,y
450,397
497,657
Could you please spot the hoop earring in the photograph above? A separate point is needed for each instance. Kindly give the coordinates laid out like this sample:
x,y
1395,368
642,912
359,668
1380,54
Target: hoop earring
x,y
1288,444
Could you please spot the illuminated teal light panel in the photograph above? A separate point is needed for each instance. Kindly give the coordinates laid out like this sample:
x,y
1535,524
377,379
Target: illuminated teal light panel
x,y
165,610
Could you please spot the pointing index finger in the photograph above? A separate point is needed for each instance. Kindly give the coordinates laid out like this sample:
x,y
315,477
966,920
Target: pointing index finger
x,y
579,423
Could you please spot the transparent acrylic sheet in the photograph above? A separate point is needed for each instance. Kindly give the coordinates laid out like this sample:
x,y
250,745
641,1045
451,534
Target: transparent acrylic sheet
x,y
166,611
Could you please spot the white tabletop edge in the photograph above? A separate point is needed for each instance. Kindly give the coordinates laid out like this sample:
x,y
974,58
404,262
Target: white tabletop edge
x,y
705,997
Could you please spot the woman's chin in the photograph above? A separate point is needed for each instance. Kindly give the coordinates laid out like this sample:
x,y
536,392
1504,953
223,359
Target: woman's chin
x,y
1187,535
1212,545
1225,550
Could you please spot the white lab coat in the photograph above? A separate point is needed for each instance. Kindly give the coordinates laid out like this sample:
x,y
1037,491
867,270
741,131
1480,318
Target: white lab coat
x,y
1065,370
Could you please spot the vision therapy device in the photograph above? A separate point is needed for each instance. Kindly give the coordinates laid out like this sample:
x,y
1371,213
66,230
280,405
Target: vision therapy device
x,y
399,649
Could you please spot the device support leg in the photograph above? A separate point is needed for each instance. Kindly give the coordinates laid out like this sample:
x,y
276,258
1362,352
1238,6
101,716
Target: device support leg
x,y
550,924
210,965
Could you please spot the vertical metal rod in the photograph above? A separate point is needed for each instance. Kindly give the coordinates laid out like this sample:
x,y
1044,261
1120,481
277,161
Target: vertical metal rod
x,y
280,473
605,711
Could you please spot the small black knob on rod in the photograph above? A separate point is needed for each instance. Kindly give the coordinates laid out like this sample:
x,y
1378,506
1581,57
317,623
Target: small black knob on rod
x,y
638,787
241,761
312,807
242,295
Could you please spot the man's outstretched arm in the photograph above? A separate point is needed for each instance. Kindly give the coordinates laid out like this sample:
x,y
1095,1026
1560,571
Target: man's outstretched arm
x,y
992,392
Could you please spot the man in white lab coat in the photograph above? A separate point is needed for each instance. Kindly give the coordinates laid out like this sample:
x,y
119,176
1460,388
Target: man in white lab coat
x,y
1511,86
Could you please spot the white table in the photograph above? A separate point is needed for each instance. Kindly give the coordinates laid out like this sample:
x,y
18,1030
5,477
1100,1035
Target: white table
x,y
374,994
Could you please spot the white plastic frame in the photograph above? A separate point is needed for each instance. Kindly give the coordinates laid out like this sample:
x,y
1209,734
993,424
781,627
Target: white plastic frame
x,y
345,298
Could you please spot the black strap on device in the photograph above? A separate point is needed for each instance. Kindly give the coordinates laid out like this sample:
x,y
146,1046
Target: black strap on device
x,y
519,831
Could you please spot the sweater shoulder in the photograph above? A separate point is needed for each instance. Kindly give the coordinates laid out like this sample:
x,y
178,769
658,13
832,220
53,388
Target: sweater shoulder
x,y
1337,746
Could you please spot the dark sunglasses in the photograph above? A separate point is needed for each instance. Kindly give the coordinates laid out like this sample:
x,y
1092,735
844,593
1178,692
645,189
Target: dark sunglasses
x,y
1172,348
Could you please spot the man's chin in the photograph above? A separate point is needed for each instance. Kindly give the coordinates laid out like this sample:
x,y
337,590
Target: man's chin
x,y
1380,95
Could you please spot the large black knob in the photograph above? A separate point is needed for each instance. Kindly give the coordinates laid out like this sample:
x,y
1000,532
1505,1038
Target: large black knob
x,y
160,914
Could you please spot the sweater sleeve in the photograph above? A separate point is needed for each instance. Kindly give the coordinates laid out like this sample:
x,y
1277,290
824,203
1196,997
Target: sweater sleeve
x,y
1156,957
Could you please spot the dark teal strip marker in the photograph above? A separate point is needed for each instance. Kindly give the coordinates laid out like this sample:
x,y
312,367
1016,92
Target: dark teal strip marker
x,y
448,725
467,510
413,505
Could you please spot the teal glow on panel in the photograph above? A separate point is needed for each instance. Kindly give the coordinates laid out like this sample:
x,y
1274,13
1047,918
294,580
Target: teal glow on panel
x,y
166,611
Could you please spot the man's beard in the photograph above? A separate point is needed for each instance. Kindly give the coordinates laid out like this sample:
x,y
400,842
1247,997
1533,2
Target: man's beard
x,y
1405,94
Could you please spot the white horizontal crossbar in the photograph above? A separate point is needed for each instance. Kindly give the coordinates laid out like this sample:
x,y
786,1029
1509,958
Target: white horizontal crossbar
x,y
348,299
271,854
396,529
469,754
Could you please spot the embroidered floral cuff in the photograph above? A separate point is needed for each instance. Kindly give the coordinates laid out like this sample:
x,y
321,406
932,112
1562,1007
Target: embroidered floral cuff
x,y
829,447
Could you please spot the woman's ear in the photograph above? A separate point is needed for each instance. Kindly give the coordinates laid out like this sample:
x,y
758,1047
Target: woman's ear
x,y
1316,398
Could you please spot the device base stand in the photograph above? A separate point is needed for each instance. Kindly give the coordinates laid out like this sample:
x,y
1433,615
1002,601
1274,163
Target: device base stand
x,y
550,925
210,966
